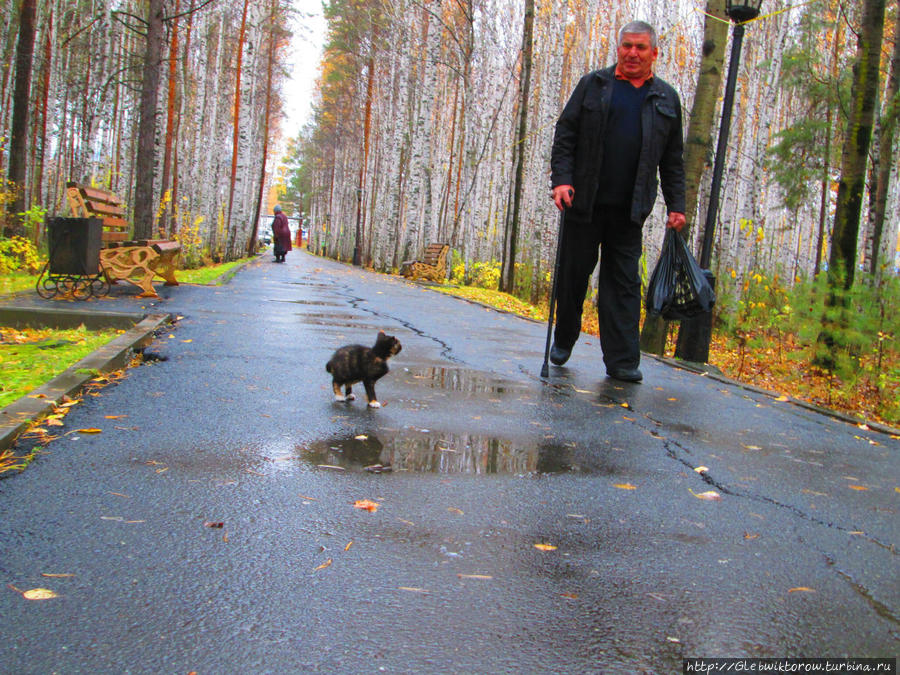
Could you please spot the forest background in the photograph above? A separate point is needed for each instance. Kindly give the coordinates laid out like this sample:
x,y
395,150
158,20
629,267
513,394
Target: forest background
x,y
433,121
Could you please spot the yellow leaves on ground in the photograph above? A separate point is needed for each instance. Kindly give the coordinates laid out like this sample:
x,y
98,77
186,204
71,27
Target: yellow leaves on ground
x,y
9,461
625,486
545,547
39,594
35,593
325,564
366,505
801,589
861,488
90,430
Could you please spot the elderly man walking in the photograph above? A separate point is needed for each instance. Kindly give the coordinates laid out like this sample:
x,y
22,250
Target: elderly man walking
x,y
620,127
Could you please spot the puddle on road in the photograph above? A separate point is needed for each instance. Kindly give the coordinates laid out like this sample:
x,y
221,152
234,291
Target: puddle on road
x,y
424,451
319,303
335,321
461,379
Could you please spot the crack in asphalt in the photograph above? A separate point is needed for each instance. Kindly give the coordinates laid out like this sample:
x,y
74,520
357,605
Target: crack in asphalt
x,y
356,302
668,444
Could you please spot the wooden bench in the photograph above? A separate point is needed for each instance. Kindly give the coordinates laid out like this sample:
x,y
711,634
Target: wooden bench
x,y
121,259
433,266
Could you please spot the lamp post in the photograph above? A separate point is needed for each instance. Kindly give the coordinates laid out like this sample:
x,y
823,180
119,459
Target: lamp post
x,y
695,334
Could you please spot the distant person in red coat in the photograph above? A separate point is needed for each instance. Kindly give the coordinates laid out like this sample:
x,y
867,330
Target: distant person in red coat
x,y
281,234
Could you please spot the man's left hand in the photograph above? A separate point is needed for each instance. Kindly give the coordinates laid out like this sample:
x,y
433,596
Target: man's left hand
x,y
676,221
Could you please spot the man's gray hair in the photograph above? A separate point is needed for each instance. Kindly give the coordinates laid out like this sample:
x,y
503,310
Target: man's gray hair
x,y
638,28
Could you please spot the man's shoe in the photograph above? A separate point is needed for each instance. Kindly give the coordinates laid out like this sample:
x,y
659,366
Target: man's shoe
x,y
558,355
626,374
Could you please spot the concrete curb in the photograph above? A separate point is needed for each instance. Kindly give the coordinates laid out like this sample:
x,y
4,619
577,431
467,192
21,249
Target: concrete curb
x,y
17,416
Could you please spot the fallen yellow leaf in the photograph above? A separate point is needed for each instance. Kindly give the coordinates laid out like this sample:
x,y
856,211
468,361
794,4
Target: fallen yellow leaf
x,y
782,398
56,576
39,594
858,487
801,589
323,565
625,486
702,469
349,544
545,547
453,509
90,430
474,576
570,596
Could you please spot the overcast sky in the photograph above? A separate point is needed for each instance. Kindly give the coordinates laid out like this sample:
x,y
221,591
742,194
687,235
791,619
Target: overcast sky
x,y
306,48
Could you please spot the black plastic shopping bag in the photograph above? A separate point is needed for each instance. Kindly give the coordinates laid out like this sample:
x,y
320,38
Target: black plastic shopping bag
x,y
678,288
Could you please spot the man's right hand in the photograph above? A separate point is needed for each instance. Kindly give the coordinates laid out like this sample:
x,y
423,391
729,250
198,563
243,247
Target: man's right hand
x,y
562,196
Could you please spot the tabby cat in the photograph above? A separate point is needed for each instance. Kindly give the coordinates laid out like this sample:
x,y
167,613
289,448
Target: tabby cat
x,y
355,363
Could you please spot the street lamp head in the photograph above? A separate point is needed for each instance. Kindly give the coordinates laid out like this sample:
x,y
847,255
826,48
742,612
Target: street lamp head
x,y
740,11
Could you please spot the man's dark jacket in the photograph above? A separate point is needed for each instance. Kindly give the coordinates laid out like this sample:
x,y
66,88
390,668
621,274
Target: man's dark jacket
x,y
578,146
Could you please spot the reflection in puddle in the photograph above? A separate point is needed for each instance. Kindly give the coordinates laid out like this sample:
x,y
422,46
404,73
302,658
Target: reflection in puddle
x,y
333,321
431,452
320,303
460,379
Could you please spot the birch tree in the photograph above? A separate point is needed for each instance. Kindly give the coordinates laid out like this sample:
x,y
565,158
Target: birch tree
x,y
19,135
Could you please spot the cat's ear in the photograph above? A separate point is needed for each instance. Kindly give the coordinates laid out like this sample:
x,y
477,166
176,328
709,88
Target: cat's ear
x,y
381,334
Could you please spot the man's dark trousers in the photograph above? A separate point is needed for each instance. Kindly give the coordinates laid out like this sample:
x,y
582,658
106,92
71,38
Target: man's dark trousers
x,y
618,290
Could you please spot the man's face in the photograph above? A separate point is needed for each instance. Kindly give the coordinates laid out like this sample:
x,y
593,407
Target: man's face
x,y
636,55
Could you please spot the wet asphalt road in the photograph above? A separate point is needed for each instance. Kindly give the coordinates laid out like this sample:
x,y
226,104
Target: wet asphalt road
x,y
238,427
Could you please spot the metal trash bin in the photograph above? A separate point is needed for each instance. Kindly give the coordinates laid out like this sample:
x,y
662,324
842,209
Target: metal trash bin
x,y
73,266
74,245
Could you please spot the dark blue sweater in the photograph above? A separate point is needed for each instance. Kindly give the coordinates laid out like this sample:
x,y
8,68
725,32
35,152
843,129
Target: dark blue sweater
x,y
622,144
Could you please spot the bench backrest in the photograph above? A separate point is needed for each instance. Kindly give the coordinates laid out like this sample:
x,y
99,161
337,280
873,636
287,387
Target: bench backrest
x,y
435,254
89,202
